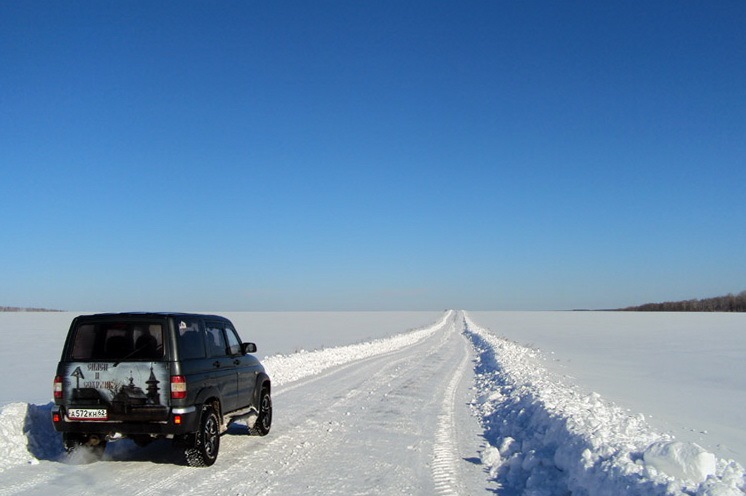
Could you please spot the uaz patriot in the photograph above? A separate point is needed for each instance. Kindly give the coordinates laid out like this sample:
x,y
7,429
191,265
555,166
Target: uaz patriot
x,y
146,376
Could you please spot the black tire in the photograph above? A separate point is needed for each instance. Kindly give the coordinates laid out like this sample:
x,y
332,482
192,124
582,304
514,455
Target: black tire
x,y
204,452
264,422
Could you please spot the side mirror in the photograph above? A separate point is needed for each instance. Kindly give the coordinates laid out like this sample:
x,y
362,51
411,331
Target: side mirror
x,y
248,348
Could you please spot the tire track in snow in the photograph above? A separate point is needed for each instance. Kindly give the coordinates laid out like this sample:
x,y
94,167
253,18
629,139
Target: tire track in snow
x,y
445,472
23,486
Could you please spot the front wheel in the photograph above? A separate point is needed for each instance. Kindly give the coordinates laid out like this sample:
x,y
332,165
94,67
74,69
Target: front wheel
x,y
264,421
204,452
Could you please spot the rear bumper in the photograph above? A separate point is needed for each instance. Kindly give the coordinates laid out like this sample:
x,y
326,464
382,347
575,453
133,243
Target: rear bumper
x,y
178,421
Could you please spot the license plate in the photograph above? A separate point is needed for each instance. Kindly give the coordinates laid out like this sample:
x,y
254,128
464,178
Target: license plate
x,y
87,414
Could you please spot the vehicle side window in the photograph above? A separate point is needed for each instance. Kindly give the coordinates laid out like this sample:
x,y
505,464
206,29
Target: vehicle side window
x,y
234,345
191,341
215,340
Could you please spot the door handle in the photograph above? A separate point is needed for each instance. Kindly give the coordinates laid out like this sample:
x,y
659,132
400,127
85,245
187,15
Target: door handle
x,y
236,362
216,364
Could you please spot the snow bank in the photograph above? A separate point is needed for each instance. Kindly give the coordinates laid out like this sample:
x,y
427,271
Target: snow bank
x,y
13,449
547,438
288,368
27,435
649,362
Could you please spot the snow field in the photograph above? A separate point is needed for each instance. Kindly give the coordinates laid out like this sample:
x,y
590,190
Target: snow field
x,y
390,416
547,438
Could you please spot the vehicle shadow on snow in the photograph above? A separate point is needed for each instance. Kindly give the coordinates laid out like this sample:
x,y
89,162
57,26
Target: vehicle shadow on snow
x,y
237,429
45,443
160,451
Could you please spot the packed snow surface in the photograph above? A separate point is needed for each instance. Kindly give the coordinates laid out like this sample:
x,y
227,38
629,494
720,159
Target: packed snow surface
x,y
450,407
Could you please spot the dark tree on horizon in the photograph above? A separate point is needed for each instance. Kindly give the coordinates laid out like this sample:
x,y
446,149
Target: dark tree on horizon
x,y
727,303
25,309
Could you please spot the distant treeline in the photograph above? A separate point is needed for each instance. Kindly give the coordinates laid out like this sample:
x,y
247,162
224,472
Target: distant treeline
x,y
727,303
22,309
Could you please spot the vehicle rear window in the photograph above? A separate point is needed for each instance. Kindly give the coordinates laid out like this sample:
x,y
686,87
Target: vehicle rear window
x,y
118,341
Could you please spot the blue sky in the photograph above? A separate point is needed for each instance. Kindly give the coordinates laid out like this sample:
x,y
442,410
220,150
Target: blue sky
x,y
381,155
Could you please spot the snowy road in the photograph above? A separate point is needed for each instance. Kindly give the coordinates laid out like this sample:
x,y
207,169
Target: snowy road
x,y
395,423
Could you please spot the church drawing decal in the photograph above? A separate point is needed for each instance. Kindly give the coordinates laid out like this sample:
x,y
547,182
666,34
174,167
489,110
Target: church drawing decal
x,y
132,390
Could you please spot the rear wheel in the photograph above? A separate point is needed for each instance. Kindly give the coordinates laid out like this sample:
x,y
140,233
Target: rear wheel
x,y
204,452
264,421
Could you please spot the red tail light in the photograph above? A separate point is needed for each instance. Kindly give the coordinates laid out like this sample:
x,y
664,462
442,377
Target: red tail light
x,y
178,387
58,388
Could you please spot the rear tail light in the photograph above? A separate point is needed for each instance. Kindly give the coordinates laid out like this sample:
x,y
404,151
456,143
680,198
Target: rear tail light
x,y
178,387
56,417
58,388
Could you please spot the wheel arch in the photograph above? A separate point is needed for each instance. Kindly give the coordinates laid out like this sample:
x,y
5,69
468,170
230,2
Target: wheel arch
x,y
262,382
210,396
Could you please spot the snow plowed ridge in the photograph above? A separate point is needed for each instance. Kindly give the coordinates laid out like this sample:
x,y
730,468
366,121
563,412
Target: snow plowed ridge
x,y
288,368
552,439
